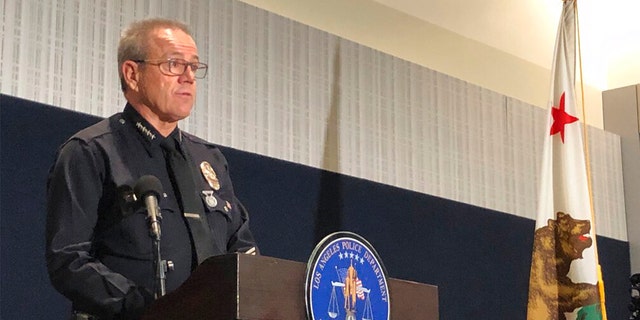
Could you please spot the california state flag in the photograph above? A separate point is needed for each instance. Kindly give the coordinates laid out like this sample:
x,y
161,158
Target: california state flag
x,y
564,270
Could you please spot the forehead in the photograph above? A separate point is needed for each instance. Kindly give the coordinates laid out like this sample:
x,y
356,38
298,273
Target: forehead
x,y
172,42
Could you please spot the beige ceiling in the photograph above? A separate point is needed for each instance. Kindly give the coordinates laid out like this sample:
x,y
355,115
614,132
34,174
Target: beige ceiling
x,y
609,31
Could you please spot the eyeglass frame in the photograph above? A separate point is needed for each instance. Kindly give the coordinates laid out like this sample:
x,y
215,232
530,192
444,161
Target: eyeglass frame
x,y
182,62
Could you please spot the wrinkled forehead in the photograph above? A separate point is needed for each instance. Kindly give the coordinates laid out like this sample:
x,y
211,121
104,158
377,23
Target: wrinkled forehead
x,y
167,42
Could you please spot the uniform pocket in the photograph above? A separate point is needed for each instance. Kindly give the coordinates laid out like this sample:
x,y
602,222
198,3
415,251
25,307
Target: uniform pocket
x,y
217,211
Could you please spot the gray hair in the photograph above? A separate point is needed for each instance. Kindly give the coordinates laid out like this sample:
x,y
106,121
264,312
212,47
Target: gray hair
x,y
134,41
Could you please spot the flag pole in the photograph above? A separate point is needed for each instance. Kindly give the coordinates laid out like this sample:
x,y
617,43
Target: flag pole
x,y
585,143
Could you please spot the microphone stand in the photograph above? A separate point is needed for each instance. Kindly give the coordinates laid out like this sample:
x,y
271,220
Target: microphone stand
x,y
149,188
161,266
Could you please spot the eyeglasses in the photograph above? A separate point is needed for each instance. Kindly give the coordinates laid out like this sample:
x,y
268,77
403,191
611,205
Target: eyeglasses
x,y
177,67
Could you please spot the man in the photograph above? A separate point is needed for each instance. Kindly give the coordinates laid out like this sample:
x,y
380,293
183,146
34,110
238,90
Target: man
x,y
99,249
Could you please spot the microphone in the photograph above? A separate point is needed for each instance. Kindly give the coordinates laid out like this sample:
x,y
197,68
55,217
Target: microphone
x,y
149,188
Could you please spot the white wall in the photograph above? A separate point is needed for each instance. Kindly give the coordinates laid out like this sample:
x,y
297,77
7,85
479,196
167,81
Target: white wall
x,y
382,28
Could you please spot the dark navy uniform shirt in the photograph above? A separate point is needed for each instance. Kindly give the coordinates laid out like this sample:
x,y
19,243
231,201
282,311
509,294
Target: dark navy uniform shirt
x,y
99,252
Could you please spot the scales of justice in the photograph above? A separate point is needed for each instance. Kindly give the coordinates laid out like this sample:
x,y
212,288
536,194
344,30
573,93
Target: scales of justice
x,y
352,289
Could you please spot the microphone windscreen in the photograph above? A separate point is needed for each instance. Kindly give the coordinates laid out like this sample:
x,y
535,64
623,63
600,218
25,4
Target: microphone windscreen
x,y
147,185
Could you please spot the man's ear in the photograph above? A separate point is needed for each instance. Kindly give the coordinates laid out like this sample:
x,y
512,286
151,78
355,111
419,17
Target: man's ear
x,y
131,74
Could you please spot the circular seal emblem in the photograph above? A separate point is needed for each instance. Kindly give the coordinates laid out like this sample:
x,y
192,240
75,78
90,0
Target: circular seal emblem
x,y
346,280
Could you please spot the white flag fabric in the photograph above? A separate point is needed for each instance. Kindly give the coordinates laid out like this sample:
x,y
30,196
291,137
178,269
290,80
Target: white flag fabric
x,y
564,275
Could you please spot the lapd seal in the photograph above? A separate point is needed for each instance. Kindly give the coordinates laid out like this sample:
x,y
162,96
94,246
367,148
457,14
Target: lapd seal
x,y
345,279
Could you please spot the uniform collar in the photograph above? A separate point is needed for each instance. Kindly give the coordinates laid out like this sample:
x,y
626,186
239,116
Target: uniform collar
x,y
147,133
175,138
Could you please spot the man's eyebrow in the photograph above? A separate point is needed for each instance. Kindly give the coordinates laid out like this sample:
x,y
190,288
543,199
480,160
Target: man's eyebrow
x,y
180,55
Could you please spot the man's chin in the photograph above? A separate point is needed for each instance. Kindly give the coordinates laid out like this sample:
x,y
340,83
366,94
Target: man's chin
x,y
175,117
183,112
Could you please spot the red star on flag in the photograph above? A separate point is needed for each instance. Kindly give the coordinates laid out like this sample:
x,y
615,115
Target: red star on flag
x,y
560,118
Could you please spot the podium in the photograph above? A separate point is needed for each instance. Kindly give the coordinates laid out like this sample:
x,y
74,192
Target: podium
x,y
239,286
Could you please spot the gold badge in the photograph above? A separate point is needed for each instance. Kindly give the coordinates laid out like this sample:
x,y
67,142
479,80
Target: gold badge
x,y
210,175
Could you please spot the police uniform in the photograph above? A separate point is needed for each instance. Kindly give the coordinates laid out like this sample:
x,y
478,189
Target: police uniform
x,y
99,251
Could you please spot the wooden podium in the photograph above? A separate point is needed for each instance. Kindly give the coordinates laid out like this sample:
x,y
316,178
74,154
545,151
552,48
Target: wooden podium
x,y
238,286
